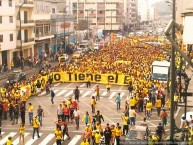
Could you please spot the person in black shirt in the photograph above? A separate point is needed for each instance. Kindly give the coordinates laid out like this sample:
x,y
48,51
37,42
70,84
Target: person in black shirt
x,y
76,93
40,113
99,117
160,131
22,113
107,134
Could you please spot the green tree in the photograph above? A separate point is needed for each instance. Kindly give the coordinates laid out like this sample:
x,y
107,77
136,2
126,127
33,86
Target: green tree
x,y
82,25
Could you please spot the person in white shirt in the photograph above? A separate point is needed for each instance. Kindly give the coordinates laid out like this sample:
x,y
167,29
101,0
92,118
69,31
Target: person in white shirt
x,y
76,117
132,116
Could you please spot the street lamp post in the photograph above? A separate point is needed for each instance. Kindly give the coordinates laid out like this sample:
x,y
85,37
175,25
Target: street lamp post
x,y
21,43
173,77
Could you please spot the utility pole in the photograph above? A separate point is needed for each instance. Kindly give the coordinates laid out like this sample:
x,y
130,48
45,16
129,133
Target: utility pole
x,y
173,77
21,43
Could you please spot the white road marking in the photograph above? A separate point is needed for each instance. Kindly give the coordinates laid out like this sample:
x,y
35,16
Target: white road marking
x,y
104,93
3,141
176,114
81,86
47,139
122,94
61,93
17,140
69,94
86,94
42,93
75,139
112,95
31,141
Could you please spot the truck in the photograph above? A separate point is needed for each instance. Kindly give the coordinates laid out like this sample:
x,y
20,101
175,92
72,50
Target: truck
x,y
160,70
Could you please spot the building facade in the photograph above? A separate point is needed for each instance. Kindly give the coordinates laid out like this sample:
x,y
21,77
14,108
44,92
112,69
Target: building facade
x,y
25,28
7,31
106,15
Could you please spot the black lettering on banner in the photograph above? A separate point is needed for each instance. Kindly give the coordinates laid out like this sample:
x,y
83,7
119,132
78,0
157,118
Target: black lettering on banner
x,y
81,77
57,77
97,78
126,78
111,79
75,77
70,76
90,76
116,78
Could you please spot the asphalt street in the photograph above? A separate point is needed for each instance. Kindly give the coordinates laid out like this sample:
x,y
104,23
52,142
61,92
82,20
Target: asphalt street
x,y
63,91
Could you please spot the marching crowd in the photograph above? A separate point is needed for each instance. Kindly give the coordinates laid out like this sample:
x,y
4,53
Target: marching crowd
x,y
145,96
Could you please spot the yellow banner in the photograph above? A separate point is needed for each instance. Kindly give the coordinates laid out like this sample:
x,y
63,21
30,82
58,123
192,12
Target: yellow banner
x,y
119,79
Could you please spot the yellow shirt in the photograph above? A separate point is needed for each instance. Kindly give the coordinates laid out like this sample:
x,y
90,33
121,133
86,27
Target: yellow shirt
x,y
97,138
24,98
175,98
148,106
84,143
9,142
113,131
92,101
21,129
58,134
35,123
132,102
125,120
118,132
158,103
30,108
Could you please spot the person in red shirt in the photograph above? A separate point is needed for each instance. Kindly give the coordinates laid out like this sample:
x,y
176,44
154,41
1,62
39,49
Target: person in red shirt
x,y
66,113
5,108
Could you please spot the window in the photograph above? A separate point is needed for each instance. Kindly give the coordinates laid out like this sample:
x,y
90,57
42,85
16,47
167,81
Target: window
x,y
10,3
0,2
0,19
11,37
19,34
1,38
53,10
10,19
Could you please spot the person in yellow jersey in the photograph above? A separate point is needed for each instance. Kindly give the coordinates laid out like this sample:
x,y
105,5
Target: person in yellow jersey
x,y
118,133
24,98
158,106
58,135
108,86
84,142
36,126
93,103
30,113
148,109
9,142
176,97
12,65
97,137
132,103
125,119
21,133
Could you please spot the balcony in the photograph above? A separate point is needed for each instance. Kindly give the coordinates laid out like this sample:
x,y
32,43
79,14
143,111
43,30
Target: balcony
x,y
27,4
80,7
26,23
41,36
100,15
26,42
100,7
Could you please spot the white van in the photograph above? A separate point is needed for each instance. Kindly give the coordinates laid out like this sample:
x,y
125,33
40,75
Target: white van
x,y
160,70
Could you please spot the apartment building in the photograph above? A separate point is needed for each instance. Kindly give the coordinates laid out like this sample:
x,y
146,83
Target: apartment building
x,y
25,28
42,17
101,14
7,31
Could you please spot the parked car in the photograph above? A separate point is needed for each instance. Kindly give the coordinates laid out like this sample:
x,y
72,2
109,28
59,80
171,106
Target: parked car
x,y
77,55
16,76
96,46
63,58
